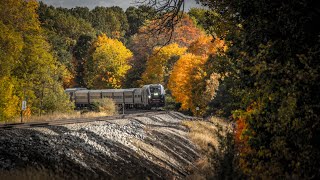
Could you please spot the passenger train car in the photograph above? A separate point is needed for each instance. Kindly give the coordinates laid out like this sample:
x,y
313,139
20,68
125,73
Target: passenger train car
x,y
152,95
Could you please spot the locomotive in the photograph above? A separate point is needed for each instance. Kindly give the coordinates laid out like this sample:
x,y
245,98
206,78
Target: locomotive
x,y
152,95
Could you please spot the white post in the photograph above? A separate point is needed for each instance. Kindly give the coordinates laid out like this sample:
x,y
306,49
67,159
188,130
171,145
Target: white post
x,y
23,107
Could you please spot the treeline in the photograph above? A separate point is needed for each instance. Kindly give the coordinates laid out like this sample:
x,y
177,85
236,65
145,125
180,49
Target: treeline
x,y
45,49
255,62
105,47
74,35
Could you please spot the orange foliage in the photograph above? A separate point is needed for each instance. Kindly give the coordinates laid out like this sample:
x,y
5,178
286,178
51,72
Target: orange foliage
x,y
179,82
206,45
144,42
157,63
244,133
189,82
184,34
241,127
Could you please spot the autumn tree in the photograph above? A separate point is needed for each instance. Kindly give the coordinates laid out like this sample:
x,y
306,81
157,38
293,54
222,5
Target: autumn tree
x,y
108,63
271,65
191,83
28,69
143,43
160,63
179,82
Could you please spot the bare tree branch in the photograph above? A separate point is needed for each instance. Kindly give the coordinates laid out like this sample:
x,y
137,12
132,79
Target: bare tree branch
x,y
170,12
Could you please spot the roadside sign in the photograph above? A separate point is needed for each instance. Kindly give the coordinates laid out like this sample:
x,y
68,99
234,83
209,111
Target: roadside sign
x,y
24,105
197,108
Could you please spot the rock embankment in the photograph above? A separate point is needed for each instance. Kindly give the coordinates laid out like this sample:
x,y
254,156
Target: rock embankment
x,y
155,146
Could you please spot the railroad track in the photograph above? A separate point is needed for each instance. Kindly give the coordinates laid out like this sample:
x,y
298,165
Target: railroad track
x,y
130,114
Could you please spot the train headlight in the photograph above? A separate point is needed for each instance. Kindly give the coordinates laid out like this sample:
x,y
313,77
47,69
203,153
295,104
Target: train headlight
x,y
149,97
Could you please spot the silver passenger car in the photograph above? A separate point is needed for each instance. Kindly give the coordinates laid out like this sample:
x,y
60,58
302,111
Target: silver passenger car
x,y
146,97
82,98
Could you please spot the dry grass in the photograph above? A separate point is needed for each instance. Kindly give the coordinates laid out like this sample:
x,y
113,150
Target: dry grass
x,y
61,116
204,135
105,107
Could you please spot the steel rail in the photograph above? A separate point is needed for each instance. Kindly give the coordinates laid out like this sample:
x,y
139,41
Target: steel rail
x,y
78,120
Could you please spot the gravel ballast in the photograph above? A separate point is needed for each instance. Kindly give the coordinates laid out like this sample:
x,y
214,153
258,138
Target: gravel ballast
x,y
152,146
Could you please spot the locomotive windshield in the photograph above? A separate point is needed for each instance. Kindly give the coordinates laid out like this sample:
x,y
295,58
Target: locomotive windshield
x,y
155,90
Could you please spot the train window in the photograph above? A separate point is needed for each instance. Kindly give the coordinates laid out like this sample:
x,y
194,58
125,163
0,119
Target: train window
x,y
156,90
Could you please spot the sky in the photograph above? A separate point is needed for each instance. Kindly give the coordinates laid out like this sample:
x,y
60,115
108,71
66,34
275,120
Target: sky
x,y
124,4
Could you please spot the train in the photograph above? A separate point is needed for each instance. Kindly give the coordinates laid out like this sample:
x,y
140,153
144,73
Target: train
x,y
147,97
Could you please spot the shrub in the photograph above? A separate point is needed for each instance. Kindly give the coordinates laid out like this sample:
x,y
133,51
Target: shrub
x,y
171,104
57,101
105,105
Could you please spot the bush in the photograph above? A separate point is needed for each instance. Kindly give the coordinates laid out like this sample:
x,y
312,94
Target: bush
x,y
105,105
57,101
171,104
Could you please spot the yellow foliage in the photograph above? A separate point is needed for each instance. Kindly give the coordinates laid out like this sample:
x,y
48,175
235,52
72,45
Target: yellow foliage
x,y
157,65
109,63
27,67
189,82
180,79
21,14
9,103
66,76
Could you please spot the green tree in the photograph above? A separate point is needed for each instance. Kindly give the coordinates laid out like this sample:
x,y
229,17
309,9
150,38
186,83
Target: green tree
x,y
63,30
63,22
81,53
81,12
272,67
111,21
137,16
199,15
